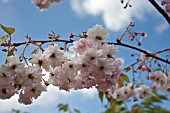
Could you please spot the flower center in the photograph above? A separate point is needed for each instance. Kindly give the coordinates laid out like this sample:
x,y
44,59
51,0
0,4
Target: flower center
x,y
3,74
101,68
33,90
30,76
99,38
13,67
92,58
109,56
71,66
83,65
40,62
4,91
52,55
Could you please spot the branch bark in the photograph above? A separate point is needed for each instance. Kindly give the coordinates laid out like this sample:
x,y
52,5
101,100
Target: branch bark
x,y
71,41
160,10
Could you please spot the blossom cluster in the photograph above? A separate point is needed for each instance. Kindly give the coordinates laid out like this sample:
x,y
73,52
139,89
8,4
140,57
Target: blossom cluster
x,y
160,80
130,90
16,78
88,63
92,64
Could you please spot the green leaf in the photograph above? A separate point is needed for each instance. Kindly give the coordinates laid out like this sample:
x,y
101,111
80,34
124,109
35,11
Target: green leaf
x,y
162,89
4,50
34,51
128,69
120,82
124,77
76,111
101,95
2,39
158,69
8,30
63,107
53,32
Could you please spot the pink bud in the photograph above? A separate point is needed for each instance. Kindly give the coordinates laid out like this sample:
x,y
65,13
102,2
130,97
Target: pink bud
x,y
135,99
71,35
131,37
152,86
85,34
132,24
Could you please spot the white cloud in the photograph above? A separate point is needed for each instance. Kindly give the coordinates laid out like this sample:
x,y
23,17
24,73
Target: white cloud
x,y
114,15
52,95
160,28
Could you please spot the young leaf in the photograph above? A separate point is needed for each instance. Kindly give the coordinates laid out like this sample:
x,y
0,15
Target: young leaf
x,y
34,51
77,111
120,82
3,38
4,50
8,30
124,77
128,69
101,95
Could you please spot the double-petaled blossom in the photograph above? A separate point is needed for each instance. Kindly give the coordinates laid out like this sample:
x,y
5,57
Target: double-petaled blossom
x,y
54,55
97,33
143,91
159,78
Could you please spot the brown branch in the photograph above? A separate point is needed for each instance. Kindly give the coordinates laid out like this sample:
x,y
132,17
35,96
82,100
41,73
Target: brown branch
x,y
37,41
143,51
132,64
160,10
71,41
161,51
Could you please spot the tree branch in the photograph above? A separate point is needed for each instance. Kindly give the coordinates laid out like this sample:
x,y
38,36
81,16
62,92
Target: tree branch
x,y
160,10
71,41
143,51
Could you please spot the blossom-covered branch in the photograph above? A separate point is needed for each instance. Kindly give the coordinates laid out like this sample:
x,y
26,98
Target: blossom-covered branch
x,y
71,41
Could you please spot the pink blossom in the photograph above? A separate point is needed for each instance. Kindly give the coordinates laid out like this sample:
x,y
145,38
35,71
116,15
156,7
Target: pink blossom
x,y
80,46
97,33
143,91
159,78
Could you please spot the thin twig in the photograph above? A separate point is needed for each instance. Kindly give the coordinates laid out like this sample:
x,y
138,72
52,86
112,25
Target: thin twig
x,y
143,51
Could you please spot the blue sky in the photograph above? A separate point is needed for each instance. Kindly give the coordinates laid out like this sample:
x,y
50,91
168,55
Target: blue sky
x,y
76,16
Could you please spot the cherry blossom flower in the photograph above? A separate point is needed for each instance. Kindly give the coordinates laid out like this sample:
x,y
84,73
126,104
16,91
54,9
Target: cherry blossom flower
x,y
13,63
105,66
143,58
24,98
7,91
34,90
6,77
40,61
159,78
80,46
97,33
143,91
108,50
125,93
54,56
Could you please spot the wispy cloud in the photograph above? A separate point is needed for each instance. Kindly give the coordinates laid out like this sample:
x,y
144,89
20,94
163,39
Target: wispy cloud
x,y
160,28
114,15
52,95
